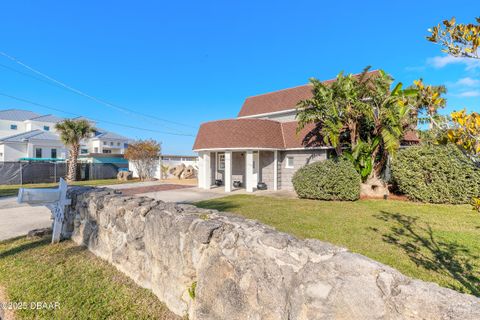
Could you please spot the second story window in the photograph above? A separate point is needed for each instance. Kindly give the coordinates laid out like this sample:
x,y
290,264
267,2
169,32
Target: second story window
x,y
53,154
111,143
46,128
38,152
13,127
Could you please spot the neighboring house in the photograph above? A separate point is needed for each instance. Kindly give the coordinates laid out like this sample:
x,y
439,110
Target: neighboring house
x,y
260,145
27,135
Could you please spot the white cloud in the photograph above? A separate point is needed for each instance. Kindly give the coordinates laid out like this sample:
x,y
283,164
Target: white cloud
x,y
439,62
469,94
467,82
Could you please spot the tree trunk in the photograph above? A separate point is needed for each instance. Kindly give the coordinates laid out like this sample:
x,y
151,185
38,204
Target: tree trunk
x,y
72,163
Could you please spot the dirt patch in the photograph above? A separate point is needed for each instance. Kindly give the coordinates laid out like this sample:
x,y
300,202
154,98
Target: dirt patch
x,y
155,188
5,314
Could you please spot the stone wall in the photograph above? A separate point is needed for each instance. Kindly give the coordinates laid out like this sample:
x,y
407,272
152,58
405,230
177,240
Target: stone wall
x,y
213,265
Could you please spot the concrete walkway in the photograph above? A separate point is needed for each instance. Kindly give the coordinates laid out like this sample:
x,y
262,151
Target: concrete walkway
x,y
17,219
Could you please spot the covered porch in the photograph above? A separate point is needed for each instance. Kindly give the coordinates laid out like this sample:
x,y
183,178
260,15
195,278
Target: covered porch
x,y
238,169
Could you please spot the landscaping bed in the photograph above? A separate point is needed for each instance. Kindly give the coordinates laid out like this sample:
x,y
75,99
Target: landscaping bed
x,y
438,243
85,287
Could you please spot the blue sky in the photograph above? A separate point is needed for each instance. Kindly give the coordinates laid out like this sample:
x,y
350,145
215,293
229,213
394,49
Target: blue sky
x,y
195,61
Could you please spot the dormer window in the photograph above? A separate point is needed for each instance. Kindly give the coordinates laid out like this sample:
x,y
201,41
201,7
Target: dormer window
x,y
13,127
46,128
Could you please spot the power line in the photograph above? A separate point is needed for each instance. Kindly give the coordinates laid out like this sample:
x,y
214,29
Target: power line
x,y
81,93
95,119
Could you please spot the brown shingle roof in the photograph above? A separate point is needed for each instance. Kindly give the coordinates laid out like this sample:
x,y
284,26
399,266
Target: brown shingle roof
x,y
239,133
263,134
281,100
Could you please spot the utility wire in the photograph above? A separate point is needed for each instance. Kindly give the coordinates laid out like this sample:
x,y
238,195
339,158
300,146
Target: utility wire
x,y
81,93
95,119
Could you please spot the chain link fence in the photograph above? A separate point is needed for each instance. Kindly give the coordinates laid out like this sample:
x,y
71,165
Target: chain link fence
x,y
45,172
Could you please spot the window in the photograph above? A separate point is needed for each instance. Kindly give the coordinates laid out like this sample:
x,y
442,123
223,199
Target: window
x,y
289,162
46,128
111,143
104,143
118,144
13,127
107,151
125,145
221,161
1,154
95,149
38,152
53,154
83,151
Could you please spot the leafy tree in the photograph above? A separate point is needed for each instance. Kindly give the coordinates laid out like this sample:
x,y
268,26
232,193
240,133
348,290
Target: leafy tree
x,y
465,133
361,157
459,40
359,110
144,155
164,169
427,101
71,133
338,108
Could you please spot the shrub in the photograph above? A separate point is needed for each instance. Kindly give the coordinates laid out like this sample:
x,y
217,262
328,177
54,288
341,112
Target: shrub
x,y
328,180
436,174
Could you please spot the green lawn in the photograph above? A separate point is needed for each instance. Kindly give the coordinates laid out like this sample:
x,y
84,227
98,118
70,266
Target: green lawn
x,y
439,243
12,190
85,286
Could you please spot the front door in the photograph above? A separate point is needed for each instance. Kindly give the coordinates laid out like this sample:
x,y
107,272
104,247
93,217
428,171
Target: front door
x,y
256,164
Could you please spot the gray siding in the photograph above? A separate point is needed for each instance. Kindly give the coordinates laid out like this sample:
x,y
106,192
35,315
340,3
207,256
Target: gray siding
x,y
266,168
238,167
300,158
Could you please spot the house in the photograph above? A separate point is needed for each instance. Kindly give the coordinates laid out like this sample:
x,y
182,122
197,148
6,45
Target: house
x,y
26,135
260,145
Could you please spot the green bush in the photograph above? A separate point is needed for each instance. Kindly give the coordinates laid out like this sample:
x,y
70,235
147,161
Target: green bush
x,y
328,180
436,174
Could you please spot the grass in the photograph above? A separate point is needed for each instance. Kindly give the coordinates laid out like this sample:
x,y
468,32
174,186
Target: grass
x,y
438,243
85,286
12,190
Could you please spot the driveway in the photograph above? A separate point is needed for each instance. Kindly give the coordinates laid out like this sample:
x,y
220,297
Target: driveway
x,y
17,219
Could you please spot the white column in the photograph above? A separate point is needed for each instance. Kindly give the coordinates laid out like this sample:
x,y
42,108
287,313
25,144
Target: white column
x,y
228,171
30,151
275,170
249,171
205,174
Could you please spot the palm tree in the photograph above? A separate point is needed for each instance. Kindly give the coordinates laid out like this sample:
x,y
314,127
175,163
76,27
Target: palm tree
x,y
390,118
71,133
336,108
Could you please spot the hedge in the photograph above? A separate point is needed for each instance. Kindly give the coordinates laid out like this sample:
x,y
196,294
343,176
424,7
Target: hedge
x,y
436,174
328,180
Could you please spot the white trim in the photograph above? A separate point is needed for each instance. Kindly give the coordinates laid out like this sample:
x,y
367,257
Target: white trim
x,y
228,171
286,162
275,170
268,114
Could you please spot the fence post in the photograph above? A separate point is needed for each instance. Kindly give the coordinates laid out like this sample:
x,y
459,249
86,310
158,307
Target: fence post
x,y
54,172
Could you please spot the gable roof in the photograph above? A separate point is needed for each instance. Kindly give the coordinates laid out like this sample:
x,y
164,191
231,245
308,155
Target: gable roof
x,y
282,100
47,118
109,135
34,134
17,115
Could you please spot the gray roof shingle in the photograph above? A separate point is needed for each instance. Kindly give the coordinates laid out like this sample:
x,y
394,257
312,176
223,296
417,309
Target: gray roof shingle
x,y
47,118
34,134
17,115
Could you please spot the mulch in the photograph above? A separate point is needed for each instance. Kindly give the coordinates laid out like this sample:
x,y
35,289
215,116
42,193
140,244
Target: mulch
x,y
160,187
